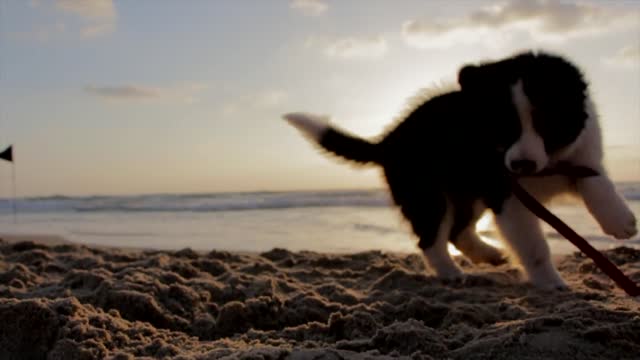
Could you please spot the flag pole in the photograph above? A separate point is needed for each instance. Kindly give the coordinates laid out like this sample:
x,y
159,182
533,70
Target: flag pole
x,y
13,180
7,155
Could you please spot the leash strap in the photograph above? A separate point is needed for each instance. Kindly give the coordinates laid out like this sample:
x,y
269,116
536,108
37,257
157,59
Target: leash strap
x,y
600,260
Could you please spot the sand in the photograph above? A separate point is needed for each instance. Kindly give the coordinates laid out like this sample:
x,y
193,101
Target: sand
x,y
69,301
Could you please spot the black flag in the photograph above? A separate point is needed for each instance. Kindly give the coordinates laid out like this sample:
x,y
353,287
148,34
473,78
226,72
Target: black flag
x,y
7,154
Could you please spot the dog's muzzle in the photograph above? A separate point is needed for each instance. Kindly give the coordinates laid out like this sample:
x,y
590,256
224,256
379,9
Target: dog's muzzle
x,y
523,167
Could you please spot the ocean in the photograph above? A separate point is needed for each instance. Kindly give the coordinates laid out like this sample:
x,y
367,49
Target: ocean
x,y
326,221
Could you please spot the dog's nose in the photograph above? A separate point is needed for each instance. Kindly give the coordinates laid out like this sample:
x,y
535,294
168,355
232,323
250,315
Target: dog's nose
x,y
523,166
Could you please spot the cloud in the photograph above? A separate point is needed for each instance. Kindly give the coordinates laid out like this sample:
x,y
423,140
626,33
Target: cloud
x,y
350,47
93,9
628,56
93,17
98,16
309,7
40,32
541,19
271,98
181,93
261,100
122,92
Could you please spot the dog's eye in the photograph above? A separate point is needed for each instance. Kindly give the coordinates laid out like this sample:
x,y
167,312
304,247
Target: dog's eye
x,y
541,120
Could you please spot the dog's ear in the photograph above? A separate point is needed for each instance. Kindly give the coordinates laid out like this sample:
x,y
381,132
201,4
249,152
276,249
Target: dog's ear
x,y
469,77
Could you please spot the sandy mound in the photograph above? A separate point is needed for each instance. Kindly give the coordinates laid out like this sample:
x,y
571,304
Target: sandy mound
x,y
75,302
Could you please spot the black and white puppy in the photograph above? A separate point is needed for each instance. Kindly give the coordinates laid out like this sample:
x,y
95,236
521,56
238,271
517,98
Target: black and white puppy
x,y
450,157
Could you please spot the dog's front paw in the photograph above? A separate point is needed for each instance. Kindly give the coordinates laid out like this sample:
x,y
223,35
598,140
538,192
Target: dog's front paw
x,y
548,282
608,207
620,223
453,273
545,276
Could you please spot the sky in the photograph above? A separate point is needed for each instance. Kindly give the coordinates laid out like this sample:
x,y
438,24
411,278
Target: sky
x,y
158,96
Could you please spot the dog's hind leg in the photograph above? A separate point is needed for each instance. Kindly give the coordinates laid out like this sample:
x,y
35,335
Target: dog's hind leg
x,y
430,216
436,254
431,219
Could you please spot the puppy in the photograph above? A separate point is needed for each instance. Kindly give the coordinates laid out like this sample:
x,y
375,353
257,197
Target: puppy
x,y
450,157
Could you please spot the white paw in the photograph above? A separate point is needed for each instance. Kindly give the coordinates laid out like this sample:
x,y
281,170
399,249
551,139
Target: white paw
x,y
619,223
449,273
550,285
441,263
546,278
608,207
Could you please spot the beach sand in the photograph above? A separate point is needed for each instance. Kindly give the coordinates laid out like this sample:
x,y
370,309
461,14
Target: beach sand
x,y
66,301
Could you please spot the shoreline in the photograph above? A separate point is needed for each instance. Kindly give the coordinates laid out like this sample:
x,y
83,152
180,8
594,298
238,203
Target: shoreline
x,y
53,240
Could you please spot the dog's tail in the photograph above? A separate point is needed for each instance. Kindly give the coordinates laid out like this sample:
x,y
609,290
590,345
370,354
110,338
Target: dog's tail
x,y
317,129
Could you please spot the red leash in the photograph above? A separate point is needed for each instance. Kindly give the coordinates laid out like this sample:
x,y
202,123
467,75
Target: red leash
x,y
600,260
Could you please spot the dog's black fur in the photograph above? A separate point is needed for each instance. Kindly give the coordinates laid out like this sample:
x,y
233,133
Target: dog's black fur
x,y
452,146
454,154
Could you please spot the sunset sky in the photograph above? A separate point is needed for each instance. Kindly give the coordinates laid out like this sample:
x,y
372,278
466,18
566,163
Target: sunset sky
x,y
158,96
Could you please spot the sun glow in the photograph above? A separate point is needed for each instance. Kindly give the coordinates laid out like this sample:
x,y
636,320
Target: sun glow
x,y
484,227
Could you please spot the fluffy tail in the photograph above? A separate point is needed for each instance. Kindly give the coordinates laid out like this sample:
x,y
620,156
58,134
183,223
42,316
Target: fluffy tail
x,y
317,129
